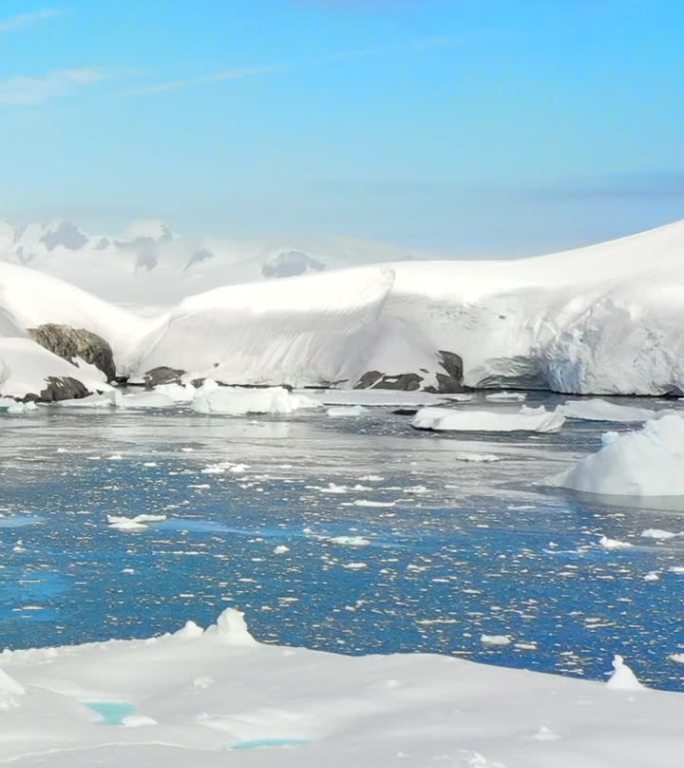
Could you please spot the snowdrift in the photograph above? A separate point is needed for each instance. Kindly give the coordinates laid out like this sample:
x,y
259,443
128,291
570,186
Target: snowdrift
x,y
215,697
649,462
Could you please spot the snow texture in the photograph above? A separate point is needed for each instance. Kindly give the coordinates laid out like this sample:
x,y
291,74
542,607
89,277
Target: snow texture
x,y
210,698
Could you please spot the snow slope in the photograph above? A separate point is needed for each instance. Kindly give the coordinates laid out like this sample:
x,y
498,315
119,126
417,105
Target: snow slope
x,y
599,320
216,697
603,319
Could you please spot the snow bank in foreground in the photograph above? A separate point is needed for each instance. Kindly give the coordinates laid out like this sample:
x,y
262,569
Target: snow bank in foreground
x,y
603,410
238,401
649,462
76,707
525,420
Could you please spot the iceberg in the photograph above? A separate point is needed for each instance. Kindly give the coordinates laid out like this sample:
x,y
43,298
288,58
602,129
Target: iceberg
x,y
647,462
471,420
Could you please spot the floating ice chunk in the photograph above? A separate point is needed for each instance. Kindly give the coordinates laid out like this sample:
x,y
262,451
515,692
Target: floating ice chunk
x,y
648,462
179,393
622,677
678,569
607,543
477,458
496,640
652,576
659,534
153,399
471,420
350,541
137,523
506,397
239,401
597,409
346,410
677,658
281,549
369,503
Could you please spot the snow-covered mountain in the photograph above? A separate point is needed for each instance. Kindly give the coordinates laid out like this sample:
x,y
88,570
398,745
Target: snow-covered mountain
x,y
603,319
147,263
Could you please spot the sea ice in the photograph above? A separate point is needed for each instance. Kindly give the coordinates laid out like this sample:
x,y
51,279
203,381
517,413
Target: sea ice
x,y
471,420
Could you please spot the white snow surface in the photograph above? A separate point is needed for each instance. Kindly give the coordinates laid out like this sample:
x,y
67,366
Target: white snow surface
x,y
25,367
216,697
647,462
599,320
472,420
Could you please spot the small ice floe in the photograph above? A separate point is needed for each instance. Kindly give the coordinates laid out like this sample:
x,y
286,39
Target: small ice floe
x,y
355,566
597,409
678,569
137,523
496,640
370,503
622,678
658,534
471,420
476,458
240,401
677,658
350,541
652,576
19,547
338,411
506,397
607,543
137,721
148,400
281,549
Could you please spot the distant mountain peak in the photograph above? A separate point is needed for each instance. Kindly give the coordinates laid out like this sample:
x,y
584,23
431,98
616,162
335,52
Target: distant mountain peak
x,y
290,263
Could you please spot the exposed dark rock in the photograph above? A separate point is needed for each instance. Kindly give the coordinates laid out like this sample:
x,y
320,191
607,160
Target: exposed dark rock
x,y
59,388
289,264
404,382
163,375
69,343
451,381
405,411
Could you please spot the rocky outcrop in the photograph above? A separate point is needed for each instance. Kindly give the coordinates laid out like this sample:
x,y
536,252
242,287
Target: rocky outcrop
x,y
162,375
70,343
59,388
449,382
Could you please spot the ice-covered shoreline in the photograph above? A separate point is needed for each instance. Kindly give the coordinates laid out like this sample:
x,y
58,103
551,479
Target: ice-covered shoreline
x,y
599,320
215,697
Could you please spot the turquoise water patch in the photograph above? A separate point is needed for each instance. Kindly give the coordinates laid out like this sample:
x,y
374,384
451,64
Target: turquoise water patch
x,y
266,743
111,712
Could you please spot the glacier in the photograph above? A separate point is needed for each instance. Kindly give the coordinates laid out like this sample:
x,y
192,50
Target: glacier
x,y
602,320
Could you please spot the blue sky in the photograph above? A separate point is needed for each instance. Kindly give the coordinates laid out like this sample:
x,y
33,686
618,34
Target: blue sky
x,y
460,126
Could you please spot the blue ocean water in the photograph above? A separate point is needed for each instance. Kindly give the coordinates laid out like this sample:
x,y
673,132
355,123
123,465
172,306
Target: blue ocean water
x,y
438,553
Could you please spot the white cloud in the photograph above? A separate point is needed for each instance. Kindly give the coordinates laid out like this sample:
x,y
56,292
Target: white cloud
x,y
22,20
35,90
216,77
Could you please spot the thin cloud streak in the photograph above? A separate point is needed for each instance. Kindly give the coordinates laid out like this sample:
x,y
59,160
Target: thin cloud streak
x,y
27,91
217,77
23,20
412,46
